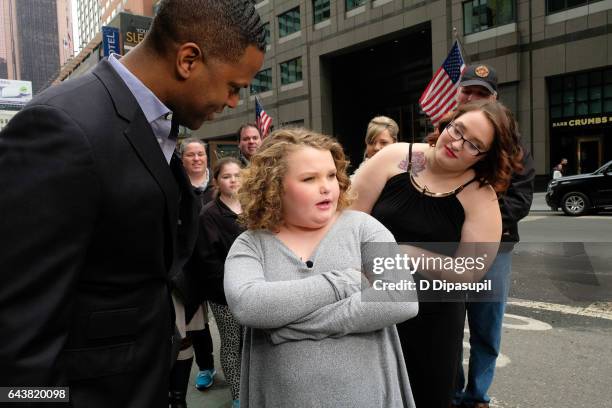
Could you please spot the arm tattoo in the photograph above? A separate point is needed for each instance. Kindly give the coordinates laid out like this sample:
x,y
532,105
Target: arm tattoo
x,y
418,163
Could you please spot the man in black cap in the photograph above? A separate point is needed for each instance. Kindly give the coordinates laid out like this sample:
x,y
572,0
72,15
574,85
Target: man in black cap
x,y
485,318
477,82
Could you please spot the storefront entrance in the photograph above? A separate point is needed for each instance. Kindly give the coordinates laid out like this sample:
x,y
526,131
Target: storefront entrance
x,y
589,157
385,76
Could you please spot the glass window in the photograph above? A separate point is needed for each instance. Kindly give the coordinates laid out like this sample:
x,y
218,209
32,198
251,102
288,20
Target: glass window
x,y
321,10
262,82
581,94
267,33
553,6
556,98
595,78
595,92
291,71
556,84
352,4
582,80
595,107
480,15
289,22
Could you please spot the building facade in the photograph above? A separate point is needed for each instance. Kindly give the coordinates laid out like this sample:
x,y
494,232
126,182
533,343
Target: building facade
x,y
332,65
9,52
36,40
110,8
93,14
88,18
132,30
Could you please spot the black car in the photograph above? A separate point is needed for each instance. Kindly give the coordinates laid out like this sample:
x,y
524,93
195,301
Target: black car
x,y
577,195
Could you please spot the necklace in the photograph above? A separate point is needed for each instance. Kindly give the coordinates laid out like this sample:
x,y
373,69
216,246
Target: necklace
x,y
425,191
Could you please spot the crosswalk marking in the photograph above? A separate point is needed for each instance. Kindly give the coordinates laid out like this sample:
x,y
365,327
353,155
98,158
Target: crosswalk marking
x,y
597,310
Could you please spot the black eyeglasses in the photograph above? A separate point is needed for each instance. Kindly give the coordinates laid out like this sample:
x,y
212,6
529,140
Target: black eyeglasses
x,y
458,135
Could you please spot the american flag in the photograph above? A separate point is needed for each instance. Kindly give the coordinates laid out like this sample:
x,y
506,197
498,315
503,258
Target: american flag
x,y
439,96
261,117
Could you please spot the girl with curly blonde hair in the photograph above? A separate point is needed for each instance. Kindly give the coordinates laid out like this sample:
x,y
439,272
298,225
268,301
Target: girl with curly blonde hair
x,y
294,281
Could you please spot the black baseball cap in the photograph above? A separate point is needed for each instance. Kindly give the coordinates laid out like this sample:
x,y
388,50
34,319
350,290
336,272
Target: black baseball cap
x,y
481,75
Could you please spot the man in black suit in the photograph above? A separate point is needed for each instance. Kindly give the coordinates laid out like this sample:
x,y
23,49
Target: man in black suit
x,y
95,207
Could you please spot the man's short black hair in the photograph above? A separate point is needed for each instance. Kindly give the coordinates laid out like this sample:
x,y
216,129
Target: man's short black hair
x,y
223,29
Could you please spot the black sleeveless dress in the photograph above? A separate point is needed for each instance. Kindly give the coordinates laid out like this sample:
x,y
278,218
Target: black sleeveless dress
x,y
432,341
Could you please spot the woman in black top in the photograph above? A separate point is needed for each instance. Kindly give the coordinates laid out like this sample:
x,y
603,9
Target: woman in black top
x,y
218,230
442,191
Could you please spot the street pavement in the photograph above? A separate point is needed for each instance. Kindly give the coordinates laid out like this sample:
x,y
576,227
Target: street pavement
x,y
556,345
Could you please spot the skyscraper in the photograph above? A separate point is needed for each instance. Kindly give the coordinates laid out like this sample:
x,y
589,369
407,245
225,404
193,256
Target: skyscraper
x,y
35,39
93,14
88,17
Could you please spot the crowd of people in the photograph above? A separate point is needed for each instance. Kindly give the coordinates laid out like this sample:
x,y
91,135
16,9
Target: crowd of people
x,y
121,248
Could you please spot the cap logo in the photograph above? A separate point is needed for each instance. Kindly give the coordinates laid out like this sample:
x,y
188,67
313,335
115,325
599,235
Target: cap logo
x,y
482,71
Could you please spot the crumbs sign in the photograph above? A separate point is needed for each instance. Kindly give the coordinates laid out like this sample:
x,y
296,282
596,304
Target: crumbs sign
x,y
589,121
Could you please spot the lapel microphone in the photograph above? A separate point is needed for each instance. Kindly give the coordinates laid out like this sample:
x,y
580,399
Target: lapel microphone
x,y
309,264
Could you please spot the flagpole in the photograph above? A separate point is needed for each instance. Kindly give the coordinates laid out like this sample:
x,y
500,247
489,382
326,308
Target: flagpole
x,y
466,57
257,102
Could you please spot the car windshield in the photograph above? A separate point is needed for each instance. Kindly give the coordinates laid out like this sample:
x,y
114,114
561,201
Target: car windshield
x,y
604,168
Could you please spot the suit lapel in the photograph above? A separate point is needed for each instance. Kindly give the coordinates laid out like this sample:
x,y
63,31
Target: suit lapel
x,y
140,135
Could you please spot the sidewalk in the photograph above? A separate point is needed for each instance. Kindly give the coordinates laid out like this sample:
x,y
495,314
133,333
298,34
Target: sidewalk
x,y
539,202
217,396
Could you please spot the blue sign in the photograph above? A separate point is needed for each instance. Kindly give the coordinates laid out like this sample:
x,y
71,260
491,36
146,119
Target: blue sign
x,y
110,41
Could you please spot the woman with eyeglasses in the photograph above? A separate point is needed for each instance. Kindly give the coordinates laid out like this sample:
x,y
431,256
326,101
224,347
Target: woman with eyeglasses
x,y
444,190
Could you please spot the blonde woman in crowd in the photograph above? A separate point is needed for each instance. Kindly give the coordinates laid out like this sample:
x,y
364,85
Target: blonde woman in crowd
x,y
382,131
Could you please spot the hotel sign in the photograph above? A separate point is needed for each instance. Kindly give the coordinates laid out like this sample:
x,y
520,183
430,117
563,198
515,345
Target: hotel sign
x,y
133,29
598,120
110,41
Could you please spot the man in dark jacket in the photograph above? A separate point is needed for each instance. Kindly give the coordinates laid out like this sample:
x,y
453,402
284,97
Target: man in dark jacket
x,y
485,317
96,207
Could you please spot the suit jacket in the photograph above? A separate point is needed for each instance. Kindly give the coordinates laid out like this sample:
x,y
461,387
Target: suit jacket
x,y
90,210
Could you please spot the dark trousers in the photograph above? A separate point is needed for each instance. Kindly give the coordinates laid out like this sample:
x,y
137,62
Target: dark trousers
x,y
432,344
203,348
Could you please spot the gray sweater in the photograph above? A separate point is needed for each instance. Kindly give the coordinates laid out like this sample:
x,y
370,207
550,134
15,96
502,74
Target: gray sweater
x,y
310,340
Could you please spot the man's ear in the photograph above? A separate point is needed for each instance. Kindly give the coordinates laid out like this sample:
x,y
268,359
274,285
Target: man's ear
x,y
188,56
